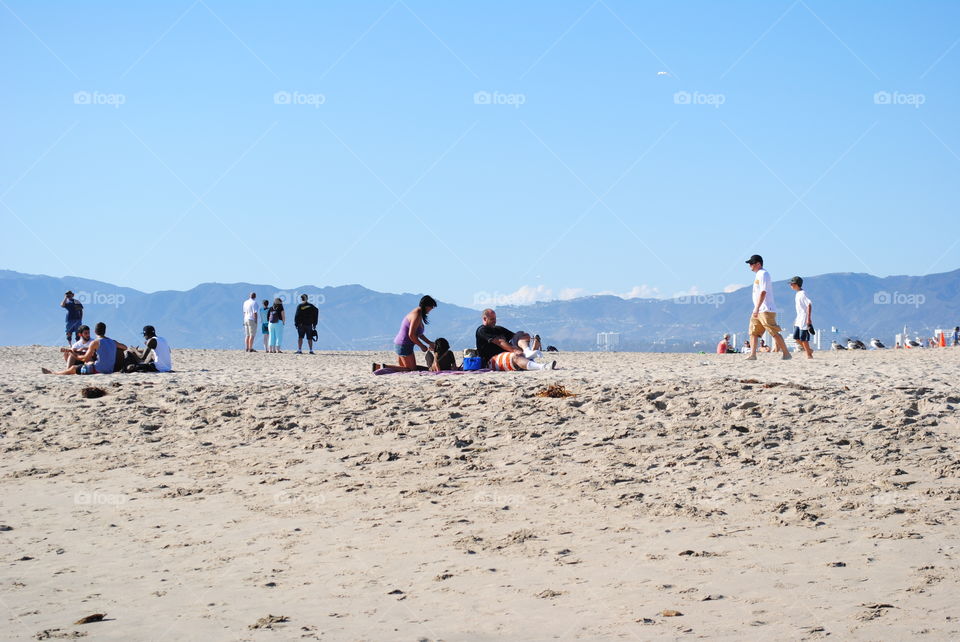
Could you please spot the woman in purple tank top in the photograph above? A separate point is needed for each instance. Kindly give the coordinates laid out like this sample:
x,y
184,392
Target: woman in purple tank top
x,y
410,336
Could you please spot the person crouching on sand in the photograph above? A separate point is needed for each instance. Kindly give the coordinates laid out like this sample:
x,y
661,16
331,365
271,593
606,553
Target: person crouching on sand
x,y
411,336
764,317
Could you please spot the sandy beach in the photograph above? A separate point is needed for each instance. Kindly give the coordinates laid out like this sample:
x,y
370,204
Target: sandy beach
x,y
675,496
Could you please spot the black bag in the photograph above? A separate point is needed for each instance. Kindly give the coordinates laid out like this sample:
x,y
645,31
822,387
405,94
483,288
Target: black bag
x,y
812,331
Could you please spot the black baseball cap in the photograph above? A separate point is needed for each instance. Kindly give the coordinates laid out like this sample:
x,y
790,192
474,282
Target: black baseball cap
x,y
149,329
756,258
796,281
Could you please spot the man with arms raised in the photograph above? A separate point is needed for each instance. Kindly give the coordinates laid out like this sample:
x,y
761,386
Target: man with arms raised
x,y
74,316
501,349
764,317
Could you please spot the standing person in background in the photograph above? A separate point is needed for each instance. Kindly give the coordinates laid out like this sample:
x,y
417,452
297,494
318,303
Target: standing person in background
x,y
764,317
803,324
265,324
956,336
250,321
411,336
74,316
277,318
305,319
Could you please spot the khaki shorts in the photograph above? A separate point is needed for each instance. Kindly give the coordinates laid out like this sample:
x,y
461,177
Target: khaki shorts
x,y
765,321
250,326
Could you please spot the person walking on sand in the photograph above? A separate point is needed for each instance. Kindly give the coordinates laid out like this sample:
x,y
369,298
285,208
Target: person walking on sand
x,y
411,336
74,316
305,319
803,324
250,321
277,318
764,316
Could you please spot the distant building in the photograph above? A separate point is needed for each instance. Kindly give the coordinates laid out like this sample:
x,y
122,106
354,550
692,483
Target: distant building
x,y
608,341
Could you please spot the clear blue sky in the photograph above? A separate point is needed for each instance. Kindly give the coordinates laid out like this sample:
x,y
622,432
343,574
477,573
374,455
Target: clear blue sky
x,y
604,179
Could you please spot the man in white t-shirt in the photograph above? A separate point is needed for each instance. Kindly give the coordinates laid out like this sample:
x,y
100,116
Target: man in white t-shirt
x,y
803,324
72,354
764,317
250,320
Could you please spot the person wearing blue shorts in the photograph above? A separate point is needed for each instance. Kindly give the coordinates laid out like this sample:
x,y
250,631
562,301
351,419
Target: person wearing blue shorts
x,y
74,316
265,324
411,336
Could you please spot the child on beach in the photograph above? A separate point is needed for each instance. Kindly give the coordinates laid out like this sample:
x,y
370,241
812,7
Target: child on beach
x,y
803,324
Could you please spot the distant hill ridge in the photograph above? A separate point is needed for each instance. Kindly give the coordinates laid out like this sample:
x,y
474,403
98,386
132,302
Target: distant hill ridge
x,y
356,318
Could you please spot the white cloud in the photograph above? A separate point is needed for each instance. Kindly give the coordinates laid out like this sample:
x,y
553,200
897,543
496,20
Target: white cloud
x,y
525,295
693,291
636,292
733,287
571,293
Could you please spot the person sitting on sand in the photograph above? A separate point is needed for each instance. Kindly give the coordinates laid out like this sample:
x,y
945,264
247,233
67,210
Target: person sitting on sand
x,y
156,355
72,354
441,357
501,349
724,346
411,336
99,358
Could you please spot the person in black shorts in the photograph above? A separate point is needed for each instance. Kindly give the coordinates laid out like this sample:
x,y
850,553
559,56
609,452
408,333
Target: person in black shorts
x,y
305,319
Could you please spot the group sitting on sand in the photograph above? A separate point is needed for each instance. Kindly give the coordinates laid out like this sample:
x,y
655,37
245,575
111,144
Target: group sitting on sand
x,y
104,355
497,347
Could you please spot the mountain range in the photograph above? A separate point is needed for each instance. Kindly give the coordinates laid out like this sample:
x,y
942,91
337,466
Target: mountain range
x,y
353,317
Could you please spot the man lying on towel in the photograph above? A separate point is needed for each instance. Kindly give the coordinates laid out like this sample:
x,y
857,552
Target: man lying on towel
x,y
501,349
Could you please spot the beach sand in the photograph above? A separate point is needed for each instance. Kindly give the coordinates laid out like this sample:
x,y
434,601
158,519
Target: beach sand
x,y
816,499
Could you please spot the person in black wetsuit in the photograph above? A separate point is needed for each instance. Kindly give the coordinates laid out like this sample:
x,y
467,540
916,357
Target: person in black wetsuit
x,y
305,319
